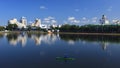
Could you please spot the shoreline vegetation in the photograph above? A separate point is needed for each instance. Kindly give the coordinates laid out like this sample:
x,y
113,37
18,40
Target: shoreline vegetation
x,y
67,29
78,33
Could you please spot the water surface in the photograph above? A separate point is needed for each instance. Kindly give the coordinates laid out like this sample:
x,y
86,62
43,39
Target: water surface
x,y
41,50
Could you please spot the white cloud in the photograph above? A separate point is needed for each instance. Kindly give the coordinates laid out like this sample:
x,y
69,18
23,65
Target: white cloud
x,y
94,19
46,19
73,20
53,21
85,20
65,22
109,8
50,17
82,21
113,20
77,10
76,21
50,20
43,7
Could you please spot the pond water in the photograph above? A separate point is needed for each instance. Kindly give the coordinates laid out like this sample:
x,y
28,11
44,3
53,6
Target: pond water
x,y
41,50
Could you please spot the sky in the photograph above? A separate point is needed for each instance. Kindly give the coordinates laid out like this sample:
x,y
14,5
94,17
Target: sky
x,y
59,11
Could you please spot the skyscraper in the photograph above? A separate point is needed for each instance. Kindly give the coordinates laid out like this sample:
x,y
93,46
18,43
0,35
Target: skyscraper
x,y
23,21
37,23
104,20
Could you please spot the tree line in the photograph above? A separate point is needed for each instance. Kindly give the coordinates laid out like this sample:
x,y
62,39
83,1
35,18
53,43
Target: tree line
x,y
2,28
90,38
91,28
70,28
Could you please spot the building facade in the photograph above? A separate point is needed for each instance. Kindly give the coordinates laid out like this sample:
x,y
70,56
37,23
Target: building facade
x,y
21,24
36,23
104,20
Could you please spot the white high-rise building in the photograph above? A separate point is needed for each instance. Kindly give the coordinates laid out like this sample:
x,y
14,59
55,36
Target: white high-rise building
x,y
23,20
104,20
37,23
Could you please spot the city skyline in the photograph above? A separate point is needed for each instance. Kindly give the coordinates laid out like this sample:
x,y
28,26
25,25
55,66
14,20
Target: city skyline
x,y
60,11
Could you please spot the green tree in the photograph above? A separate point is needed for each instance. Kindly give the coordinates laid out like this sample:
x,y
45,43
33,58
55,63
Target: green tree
x,y
2,28
38,28
12,27
22,29
29,28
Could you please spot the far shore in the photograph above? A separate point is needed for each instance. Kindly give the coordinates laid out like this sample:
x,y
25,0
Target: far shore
x,y
90,33
62,33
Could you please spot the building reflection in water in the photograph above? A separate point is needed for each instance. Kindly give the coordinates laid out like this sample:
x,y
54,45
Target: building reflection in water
x,y
71,42
104,45
1,35
48,39
14,39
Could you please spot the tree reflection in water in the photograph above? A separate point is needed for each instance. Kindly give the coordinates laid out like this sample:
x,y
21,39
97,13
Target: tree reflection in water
x,y
1,35
49,39
103,40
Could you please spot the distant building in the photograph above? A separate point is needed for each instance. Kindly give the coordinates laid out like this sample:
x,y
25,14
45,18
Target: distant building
x,y
12,21
104,20
37,23
59,26
43,26
21,24
116,21
54,25
23,20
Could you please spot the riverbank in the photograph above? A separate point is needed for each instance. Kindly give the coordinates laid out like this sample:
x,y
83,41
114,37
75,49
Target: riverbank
x,y
61,33
18,32
90,33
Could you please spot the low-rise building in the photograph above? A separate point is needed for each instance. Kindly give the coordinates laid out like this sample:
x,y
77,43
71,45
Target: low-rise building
x,y
116,21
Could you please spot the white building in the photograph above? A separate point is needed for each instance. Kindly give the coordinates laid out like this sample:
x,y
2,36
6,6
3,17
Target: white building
x,y
12,21
23,20
37,23
44,26
104,20
116,21
21,24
